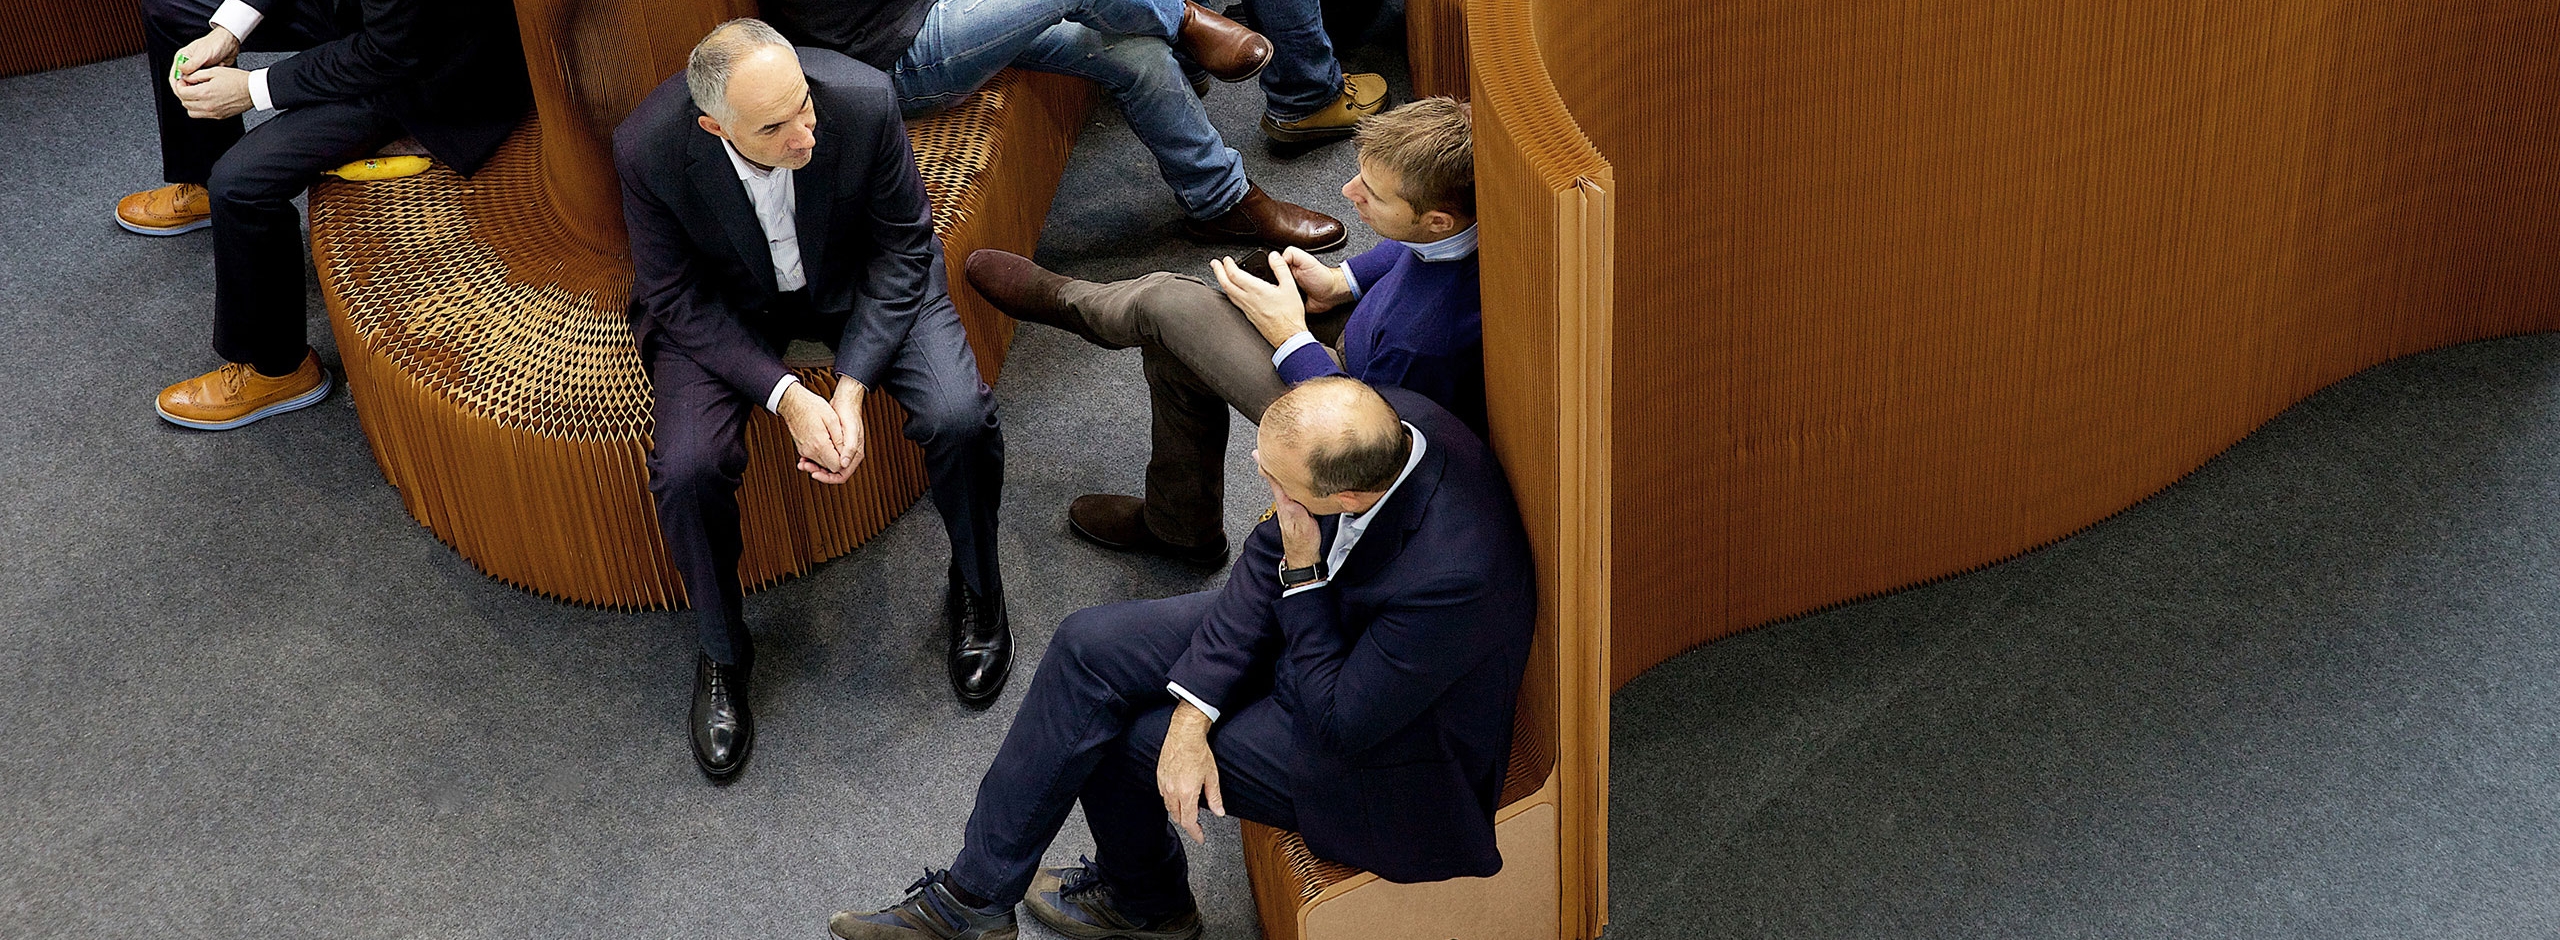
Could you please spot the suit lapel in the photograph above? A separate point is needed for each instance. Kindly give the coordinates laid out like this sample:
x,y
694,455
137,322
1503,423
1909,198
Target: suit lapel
x,y
815,186
715,179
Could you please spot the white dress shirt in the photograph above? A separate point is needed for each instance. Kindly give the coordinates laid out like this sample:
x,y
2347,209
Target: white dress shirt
x,y
776,200
1451,248
1346,534
241,19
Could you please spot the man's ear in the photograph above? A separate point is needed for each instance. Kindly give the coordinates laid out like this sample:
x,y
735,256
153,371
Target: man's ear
x,y
711,126
1435,221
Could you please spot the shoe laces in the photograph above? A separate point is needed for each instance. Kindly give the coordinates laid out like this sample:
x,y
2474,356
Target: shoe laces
x,y
1084,883
924,899
235,376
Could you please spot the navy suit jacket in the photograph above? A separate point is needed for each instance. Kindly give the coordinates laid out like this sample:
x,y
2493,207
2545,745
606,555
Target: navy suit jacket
x,y
450,71
1401,675
702,277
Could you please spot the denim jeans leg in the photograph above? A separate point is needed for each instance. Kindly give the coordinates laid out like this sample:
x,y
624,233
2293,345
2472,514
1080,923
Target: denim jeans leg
x,y
1303,75
1142,76
965,42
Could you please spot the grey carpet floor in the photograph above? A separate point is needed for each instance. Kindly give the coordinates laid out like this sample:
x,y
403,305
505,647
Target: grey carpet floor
x,y
2309,692
2313,691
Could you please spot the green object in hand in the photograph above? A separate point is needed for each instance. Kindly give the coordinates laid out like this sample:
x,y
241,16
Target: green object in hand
x,y
173,67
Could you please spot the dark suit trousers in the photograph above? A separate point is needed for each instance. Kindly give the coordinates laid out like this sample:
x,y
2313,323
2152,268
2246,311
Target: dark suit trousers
x,y
1202,356
1089,731
700,454
258,288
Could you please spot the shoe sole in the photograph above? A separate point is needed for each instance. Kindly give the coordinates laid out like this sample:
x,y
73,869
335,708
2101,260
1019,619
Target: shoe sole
x,y
296,403
1281,135
1213,237
162,232
1197,561
1079,930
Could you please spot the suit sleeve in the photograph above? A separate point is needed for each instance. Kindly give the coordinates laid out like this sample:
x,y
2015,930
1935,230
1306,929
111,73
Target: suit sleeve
x,y
1350,692
1239,634
397,45
668,287
898,275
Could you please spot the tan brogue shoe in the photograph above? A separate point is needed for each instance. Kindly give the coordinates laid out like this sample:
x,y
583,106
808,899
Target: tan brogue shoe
x,y
1363,94
236,394
1258,219
1222,46
175,209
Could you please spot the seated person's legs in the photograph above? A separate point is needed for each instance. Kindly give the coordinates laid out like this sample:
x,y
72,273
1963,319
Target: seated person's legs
x,y
1090,728
1201,357
259,322
188,146
697,457
1307,98
1207,176
952,415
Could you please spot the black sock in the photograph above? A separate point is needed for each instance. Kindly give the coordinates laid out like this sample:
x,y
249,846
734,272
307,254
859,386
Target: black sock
x,y
962,895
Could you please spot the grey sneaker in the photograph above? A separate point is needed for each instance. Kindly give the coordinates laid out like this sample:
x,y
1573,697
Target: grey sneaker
x,y
1075,902
928,913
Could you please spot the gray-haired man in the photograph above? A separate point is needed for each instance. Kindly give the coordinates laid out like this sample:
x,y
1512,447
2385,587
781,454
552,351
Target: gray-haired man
x,y
771,196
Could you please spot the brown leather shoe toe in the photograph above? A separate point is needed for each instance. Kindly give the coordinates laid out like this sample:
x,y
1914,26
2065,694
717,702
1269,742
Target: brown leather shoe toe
x,y
1221,45
1363,94
175,209
236,394
1258,219
1119,523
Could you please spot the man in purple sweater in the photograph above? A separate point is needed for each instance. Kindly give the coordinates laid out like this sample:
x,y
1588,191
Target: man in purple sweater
x,y
1414,322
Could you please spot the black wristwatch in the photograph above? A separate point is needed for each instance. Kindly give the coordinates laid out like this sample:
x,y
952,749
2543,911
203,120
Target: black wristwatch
x,y
1301,577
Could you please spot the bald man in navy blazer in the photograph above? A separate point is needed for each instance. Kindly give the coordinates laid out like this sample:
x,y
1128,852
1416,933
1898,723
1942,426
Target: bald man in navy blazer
x,y
1353,680
771,195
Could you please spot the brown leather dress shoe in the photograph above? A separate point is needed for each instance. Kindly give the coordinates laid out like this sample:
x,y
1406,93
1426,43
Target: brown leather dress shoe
x,y
1221,45
236,394
1022,289
1363,94
1119,523
1258,219
175,209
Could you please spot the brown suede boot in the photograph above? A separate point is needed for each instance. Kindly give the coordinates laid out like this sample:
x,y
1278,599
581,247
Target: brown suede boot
x,y
1119,523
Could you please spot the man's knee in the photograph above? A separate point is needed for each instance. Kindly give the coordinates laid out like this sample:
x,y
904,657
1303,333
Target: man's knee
x,y
243,179
686,465
1140,63
954,416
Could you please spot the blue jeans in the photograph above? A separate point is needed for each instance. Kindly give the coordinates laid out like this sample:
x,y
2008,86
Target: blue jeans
x,y
1122,45
1303,76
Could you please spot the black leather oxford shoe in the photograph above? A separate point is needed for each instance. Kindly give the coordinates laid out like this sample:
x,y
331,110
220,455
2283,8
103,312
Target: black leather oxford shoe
x,y
723,731
981,644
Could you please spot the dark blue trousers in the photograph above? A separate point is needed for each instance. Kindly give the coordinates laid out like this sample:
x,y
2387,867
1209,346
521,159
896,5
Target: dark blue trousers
x,y
699,456
1089,730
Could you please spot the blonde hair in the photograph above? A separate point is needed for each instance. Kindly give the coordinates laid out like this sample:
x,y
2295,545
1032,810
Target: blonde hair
x,y
1429,145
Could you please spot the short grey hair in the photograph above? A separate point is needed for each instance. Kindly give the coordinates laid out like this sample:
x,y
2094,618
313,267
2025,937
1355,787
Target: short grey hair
x,y
706,71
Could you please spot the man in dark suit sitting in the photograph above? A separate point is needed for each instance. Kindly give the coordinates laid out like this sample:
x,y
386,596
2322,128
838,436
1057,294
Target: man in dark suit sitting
x,y
1414,321
1353,680
447,72
771,195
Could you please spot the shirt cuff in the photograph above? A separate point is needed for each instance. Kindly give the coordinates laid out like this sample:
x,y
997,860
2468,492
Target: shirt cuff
x,y
258,96
1352,280
1291,346
1304,588
1204,707
240,18
773,402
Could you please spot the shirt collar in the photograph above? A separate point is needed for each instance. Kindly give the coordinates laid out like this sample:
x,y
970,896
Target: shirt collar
x,y
1451,248
749,171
